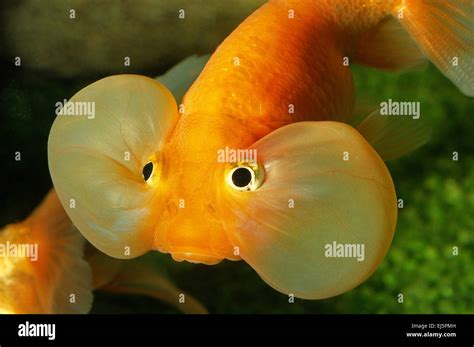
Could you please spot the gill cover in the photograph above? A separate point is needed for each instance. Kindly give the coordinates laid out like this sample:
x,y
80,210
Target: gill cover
x,y
323,184
96,161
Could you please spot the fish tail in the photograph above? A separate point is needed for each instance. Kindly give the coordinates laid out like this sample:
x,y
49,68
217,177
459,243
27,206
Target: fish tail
x,y
441,30
62,278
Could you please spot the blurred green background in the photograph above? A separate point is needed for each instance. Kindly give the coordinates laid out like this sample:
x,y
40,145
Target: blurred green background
x,y
438,196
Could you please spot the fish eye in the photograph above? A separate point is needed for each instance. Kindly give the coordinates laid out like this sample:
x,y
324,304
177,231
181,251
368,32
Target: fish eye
x,y
147,171
244,177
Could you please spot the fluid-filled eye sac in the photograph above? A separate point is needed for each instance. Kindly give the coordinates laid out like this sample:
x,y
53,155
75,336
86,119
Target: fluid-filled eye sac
x,y
105,164
324,216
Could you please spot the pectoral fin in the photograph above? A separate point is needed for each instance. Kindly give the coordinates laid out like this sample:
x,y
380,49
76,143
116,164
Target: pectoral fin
x,y
394,136
140,277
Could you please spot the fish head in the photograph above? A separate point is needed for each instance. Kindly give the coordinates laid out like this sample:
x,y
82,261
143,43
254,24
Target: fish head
x,y
195,169
139,176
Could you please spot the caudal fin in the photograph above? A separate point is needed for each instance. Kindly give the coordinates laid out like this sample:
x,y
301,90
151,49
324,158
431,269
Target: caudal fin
x,y
441,30
53,276
444,30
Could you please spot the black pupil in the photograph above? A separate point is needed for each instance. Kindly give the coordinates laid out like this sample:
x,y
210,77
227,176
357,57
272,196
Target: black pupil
x,y
241,177
147,170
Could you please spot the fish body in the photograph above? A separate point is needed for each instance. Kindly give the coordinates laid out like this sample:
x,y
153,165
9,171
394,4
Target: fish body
x,y
241,97
283,64
279,85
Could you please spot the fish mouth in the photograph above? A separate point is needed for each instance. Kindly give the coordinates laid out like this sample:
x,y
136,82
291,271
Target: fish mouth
x,y
194,256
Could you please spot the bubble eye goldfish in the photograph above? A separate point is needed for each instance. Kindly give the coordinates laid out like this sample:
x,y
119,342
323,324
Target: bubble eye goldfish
x,y
143,175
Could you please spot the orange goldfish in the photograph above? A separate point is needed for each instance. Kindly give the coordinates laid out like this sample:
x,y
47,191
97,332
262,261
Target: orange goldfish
x,y
143,174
